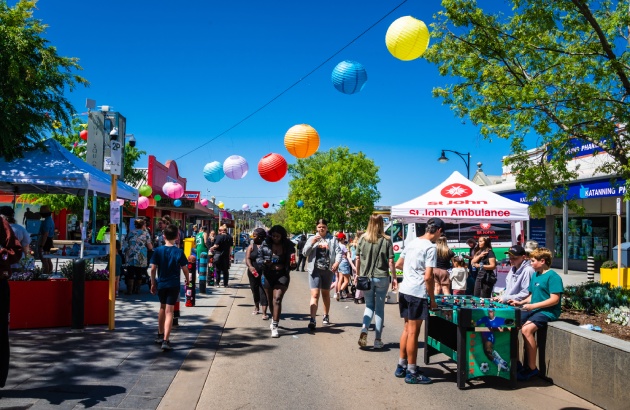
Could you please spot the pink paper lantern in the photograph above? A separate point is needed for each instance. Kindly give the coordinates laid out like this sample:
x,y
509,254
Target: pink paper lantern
x,y
204,202
235,167
173,190
143,202
120,201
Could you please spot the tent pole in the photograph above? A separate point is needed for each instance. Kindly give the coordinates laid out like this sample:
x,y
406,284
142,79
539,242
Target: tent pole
x,y
84,225
565,239
94,217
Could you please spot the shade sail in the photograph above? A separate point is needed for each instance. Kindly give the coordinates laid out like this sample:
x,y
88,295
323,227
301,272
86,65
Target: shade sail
x,y
56,170
458,200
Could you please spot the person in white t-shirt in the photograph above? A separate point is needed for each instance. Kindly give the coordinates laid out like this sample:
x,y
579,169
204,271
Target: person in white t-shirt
x,y
415,297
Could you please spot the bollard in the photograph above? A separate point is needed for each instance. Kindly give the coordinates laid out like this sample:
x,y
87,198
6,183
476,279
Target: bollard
x,y
210,270
203,268
190,290
590,268
176,313
78,294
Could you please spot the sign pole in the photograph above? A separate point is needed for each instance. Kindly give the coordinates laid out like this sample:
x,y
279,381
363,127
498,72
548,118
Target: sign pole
x,y
618,241
112,255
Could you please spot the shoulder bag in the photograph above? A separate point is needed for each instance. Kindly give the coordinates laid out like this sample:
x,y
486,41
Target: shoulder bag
x,y
365,282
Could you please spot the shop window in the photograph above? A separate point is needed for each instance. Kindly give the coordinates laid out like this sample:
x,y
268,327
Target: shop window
x,y
586,237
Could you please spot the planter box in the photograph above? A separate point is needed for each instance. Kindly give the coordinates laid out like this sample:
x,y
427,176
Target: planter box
x,y
588,364
612,275
37,304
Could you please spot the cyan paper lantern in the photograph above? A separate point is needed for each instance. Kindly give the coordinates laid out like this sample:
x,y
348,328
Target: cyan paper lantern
x,y
300,204
177,202
407,38
213,171
143,202
349,77
235,167
272,167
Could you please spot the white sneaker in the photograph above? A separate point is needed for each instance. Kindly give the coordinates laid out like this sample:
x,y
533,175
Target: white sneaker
x,y
274,332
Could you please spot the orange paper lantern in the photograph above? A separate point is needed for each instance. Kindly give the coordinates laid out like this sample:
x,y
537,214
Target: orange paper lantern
x,y
272,167
301,141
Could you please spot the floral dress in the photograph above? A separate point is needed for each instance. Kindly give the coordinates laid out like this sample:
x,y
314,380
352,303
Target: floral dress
x,y
137,248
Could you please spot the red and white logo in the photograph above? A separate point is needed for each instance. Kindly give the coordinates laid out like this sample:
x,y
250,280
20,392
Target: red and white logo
x,y
485,227
456,191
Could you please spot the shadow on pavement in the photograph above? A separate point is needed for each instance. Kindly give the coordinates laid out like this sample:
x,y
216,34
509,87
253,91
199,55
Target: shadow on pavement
x,y
85,394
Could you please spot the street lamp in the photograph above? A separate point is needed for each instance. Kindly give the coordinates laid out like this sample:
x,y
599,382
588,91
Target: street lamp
x,y
444,159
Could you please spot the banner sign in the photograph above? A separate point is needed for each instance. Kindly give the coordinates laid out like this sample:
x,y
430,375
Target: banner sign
x,y
581,190
192,195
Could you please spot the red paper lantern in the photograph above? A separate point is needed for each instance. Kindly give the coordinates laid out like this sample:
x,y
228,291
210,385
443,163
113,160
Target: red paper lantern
x,y
265,204
83,135
272,167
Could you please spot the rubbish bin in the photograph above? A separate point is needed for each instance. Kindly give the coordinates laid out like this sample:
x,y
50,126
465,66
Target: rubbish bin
x,y
625,254
188,245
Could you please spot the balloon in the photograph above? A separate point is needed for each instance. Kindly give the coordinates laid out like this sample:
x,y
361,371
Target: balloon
x,y
145,190
407,38
300,204
173,190
245,207
143,202
157,197
301,141
177,202
83,135
121,202
349,77
204,202
221,205
265,204
272,167
213,171
235,167
282,202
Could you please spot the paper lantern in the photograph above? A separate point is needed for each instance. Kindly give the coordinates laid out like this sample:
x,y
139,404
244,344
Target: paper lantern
x,y
272,167
407,38
145,190
83,135
221,205
177,202
213,171
157,197
265,204
245,207
300,204
120,201
349,77
173,190
143,202
235,167
301,141
282,202
204,202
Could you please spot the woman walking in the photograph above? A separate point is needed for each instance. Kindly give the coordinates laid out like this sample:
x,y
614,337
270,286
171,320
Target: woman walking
x,y
277,255
323,256
138,245
375,259
485,261
441,277
255,271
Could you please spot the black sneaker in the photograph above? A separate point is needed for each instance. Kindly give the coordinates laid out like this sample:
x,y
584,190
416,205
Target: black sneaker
x,y
166,345
326,320
159,338
311,324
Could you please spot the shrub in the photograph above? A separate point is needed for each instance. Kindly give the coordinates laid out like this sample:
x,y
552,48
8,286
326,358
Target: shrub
x,y
620,315
609,265
604,297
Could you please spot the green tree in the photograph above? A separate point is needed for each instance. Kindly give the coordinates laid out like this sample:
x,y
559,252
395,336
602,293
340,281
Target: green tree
x,y
33,80
553,70
335,185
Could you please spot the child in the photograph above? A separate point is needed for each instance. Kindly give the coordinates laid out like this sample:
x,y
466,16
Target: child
x,y
539,308
459,275
167,260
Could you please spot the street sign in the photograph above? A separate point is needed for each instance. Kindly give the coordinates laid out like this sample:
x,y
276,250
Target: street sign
x,y
116,158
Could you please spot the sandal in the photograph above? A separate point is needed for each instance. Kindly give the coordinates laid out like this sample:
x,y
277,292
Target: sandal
x,y
255,312
363,339
265,317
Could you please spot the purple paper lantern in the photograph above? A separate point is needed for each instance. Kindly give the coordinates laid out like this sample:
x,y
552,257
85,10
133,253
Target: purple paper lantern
x,y
235,167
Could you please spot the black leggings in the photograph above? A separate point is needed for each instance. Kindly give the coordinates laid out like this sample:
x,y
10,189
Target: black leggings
x,y
260,297
485,283
222,268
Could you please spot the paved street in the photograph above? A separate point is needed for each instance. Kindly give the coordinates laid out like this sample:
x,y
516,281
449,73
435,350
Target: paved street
x,y
225,359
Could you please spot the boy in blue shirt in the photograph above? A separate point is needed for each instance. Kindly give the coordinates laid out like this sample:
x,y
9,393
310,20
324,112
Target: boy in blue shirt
x,y
539,308
167,261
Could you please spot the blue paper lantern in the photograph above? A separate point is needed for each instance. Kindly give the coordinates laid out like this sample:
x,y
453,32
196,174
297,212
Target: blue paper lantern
x,y
349,77
213,171
177,203
300,204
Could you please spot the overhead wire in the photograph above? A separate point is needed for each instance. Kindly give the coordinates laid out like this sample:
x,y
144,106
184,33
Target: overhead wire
x,y
256,111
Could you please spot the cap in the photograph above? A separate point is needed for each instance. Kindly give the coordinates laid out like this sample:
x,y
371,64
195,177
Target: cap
x,y
45,209
437,222
341,235
516,250
6,211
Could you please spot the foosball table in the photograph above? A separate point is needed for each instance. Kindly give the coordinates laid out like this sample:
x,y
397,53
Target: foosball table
x,y
479,334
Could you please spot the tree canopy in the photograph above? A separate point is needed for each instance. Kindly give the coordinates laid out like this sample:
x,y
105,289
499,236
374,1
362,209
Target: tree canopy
x,y
554,70
336,185
33,80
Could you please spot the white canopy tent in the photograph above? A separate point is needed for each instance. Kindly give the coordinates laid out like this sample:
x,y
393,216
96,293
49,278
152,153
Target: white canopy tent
x,y
55,170
458,200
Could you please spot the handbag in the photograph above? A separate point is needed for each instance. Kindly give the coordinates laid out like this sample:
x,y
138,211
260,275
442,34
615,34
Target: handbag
x,y
365,282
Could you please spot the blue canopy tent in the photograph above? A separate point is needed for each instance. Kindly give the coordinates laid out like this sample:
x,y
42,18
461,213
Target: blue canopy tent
x,y
55,170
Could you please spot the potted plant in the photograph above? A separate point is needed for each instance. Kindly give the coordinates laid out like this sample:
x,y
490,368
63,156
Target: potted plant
x,y
611,273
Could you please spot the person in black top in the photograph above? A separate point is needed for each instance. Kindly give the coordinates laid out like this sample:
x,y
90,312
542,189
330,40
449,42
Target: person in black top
x,y
301,258
485,261
277,255
222,249
255,271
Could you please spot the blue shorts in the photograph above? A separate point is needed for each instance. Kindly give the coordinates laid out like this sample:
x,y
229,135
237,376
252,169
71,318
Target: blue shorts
x,y
345,269
412,307
536,317
168,296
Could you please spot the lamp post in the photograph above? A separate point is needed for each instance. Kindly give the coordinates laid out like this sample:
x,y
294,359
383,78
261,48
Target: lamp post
x,y
444,159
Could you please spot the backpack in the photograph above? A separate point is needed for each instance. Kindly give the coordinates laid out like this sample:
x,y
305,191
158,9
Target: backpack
x,y
10,246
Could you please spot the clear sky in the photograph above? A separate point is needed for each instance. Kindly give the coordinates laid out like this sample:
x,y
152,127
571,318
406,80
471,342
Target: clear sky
x,y
184,72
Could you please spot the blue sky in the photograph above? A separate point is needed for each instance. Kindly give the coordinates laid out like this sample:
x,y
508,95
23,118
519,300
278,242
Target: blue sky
x,y
184,72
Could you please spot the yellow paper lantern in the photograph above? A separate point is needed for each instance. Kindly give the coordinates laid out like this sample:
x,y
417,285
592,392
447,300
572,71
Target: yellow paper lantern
x,y
221,205
407,38
301,140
